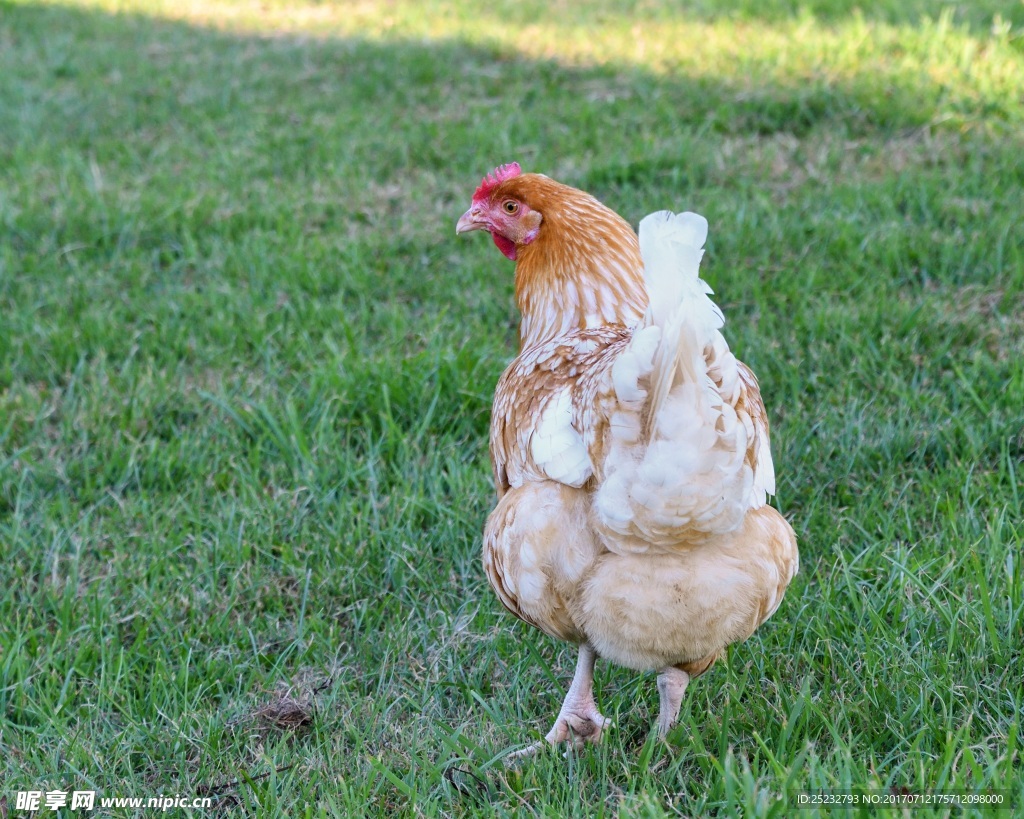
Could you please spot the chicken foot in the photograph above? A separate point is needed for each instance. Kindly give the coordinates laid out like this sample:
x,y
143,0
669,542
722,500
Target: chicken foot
x,y
672,682
578,720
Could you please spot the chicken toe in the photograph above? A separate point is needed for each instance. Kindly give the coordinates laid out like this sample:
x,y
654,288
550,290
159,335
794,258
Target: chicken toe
x,y
578,720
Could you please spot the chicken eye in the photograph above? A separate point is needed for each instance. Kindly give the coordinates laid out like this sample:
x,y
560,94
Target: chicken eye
x,y
510,206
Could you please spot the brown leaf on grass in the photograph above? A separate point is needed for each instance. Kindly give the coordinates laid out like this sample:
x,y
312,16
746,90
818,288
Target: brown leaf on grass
x,y
292,707
286,712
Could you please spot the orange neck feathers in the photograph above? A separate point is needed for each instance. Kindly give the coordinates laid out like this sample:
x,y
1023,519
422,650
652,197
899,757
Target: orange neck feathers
x,y
583,270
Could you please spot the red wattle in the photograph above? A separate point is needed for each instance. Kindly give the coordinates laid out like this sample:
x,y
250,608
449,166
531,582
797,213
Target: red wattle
x,y
506,246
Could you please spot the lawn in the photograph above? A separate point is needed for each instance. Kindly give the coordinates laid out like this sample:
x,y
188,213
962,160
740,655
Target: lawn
x,y
246,370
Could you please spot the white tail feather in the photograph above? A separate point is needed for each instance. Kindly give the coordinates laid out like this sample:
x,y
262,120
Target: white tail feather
x,y
672,246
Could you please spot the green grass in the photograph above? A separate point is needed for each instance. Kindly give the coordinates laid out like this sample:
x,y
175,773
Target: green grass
x,y
246,368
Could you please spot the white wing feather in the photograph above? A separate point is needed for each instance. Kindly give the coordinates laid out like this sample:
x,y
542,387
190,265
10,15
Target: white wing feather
x,y
557,448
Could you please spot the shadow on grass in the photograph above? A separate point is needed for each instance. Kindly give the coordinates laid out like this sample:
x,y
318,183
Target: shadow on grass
x,y
115,125
170,95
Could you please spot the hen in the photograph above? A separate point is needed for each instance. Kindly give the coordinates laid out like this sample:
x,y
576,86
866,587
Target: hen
x,y
630,448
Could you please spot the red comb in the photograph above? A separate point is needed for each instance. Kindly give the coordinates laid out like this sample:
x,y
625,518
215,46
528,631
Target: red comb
x,y
495,178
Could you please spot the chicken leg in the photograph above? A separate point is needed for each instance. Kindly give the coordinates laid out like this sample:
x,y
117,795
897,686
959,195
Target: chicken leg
x,y
672,682
578,720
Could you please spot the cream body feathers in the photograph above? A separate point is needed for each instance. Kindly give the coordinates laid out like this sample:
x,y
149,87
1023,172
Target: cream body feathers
x,y
632,464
